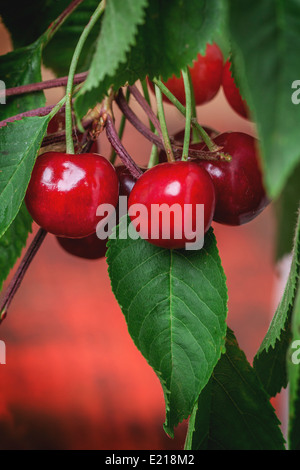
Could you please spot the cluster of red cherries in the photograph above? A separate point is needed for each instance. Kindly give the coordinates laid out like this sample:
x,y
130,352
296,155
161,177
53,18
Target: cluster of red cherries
x,y
65,190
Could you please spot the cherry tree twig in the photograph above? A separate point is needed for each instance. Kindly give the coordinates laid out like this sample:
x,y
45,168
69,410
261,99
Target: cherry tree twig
x,y
20,273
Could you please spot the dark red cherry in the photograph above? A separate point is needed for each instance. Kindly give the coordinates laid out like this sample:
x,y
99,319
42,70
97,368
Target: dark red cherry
x,y
126,180
240,193
179,138
206,75
181,183
90,247
232,92
65,191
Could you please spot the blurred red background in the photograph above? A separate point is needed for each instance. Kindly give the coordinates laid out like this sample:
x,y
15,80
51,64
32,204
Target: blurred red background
x,y
73,378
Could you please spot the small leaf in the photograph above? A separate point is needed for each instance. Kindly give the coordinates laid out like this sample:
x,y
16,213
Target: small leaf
x,y
175,305
233,411
20,142
13,241
118,31
270,360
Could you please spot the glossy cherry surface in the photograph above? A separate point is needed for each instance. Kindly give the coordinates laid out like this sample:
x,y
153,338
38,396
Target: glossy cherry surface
x,y
232,92
126,180
179,138
172,183
65,191
240,194
206,75
90,247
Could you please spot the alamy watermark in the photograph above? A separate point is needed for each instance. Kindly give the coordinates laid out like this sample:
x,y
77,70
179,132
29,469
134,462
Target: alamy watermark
x,y
161,221
2,352
296,354
296,94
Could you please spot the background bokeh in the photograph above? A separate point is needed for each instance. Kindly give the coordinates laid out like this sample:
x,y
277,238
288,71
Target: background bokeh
x,y
73,377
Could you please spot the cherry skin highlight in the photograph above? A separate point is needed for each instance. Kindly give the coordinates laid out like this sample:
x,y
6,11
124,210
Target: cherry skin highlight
x,y
172,183
206,76
232,93
240,193
65,191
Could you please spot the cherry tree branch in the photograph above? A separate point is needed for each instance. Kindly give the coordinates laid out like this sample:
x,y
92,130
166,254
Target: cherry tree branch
x,y
20,273
45,85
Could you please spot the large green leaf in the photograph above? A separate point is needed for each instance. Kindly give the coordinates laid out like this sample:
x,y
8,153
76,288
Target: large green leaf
x,y
286,209
266,40
13,241
270,360
169,39
293,360
21,67
233,411
20,142
175,305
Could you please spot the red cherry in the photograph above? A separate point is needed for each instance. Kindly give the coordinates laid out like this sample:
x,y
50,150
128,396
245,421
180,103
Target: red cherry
x,y
179,137
232,92
206,75
126,180
65,191
90,247
172,183
240,194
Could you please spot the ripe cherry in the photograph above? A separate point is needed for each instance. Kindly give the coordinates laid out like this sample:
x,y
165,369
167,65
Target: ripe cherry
x,y
232,92
206,76
65,191
179,138
90,247
240,194
178,183
126,180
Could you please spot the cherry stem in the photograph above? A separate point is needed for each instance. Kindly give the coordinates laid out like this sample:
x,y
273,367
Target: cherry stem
x,y
163,125
61,19
147,98
148,110
74,62
188,115
177,150
45,85
113,154
20,273
116,143
205,137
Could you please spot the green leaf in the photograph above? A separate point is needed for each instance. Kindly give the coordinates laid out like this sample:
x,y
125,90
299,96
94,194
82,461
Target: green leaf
x,y
21,67
270,360
286,209
118,31
20,142
13,241
294,379
266,40
39,14
175,306
170,39
233,411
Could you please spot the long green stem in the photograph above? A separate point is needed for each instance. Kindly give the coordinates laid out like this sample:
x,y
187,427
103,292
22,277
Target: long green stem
x,y
147,98
163,125
188,115
69,89
207,140
196,137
